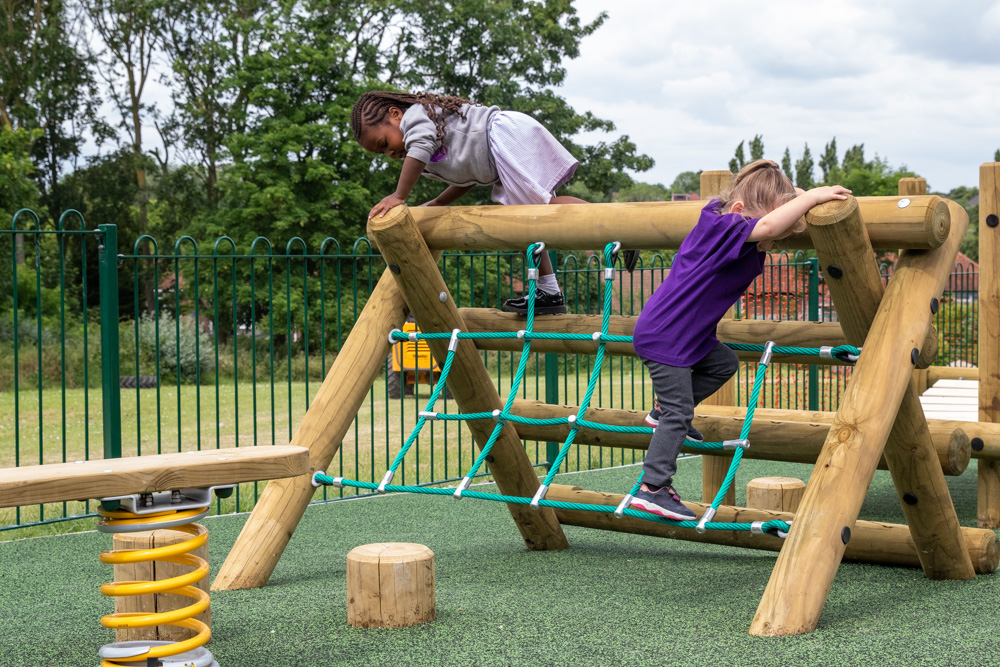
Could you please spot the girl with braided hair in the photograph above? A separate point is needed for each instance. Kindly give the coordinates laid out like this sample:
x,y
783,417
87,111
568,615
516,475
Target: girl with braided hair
x,y
675,333
464,144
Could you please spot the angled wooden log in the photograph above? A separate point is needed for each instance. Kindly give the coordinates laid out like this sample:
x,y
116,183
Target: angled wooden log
x,y
715,468
648,225
880,387
989,334
279,509
796,436
871,541
417,275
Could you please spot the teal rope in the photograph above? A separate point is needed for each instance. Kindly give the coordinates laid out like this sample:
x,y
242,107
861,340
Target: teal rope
x,y
518,500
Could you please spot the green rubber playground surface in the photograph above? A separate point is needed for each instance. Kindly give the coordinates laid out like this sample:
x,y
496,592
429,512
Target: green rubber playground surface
x,y
611,599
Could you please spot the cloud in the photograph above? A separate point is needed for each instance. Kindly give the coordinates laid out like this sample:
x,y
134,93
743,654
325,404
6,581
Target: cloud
x,y
688,82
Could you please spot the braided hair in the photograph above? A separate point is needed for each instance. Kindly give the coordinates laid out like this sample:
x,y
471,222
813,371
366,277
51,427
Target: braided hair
x,y
373,106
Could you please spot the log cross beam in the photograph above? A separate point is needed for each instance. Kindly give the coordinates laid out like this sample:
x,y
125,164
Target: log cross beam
x,y
423,288
880,410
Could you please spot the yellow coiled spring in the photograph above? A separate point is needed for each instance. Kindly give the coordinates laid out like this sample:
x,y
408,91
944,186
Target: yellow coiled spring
x,y
117,521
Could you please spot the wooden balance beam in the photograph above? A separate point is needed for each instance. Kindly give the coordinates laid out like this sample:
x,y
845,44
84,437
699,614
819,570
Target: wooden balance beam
x,y
86,480
922,224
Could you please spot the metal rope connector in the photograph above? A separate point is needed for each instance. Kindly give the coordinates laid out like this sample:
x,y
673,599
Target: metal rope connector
x,y
826,352
539,494
705,518
385,481
571,420
597,336
429,415
539,249
462,486
757,528
453,343
609,273
499,418
626,501
765,358
413,336
521,333
532,274
316,483
616,247
393,341
733,445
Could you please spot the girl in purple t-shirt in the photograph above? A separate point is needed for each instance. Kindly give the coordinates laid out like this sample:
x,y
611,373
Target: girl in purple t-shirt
x,y
675,334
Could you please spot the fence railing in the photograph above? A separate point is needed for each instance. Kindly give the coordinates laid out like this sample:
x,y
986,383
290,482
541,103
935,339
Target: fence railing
x,y
108,351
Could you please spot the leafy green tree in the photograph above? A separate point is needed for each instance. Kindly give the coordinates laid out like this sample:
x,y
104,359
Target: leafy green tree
x,y
756,148
804,170
644,192
786,164
829,162
739,159
686,181
996,156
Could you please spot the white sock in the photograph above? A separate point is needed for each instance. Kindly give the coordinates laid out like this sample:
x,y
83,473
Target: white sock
x,y
548,284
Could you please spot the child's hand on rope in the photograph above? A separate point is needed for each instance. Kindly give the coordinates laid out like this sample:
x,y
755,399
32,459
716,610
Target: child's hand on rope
x,y
384,206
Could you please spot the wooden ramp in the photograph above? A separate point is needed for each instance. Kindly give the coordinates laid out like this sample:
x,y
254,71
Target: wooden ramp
x,y
957,400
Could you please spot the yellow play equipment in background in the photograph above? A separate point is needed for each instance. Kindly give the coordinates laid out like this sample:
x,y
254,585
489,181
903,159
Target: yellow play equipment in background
x,y
410,362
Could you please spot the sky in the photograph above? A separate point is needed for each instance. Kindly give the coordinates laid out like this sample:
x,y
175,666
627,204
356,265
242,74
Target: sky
x,y
917,82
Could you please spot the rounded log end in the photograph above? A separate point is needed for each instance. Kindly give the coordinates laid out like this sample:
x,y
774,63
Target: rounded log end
x,y
937,223
831,212
929,350
988,554
958,453
393,217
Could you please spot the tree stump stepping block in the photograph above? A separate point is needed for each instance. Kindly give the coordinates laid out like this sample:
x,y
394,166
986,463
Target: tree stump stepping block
x,y
777,494
390,585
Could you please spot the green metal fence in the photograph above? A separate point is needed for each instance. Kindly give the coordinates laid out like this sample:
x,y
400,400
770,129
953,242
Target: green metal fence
x,y
164,348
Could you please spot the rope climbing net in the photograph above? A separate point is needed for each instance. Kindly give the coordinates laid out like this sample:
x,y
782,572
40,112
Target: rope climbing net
x,y
577,422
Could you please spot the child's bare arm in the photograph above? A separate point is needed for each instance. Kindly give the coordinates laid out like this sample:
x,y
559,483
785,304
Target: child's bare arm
x,y
776,224
412,168
450,194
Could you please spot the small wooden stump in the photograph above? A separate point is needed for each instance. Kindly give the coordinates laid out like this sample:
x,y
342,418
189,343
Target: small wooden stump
x,y
390,585
777,494
156,571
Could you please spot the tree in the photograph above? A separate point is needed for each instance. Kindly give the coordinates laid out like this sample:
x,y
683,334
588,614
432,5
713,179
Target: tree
x,y
996,156
804,169
828,162
739,159
786,164
686,181
644,192
756,148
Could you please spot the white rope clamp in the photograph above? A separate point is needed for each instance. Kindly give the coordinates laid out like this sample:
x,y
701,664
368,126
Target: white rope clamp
x,y
521,333
385,481
609,273
462,486
733,445
826,352
453,343
413,336
765,358
532,274
499,418
429,415
597,336
705,518
539,494
620,510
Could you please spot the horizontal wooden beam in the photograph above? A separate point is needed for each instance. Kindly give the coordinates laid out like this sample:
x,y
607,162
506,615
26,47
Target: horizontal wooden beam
x,y
751,332
793,440
871,541
935,373
86,480
923,223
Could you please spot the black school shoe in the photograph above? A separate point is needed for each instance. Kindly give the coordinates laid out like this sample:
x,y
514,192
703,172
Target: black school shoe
x,y
545,304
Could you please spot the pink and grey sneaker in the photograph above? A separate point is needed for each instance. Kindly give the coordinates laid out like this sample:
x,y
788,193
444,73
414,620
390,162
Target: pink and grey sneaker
x,y
653,419
661,501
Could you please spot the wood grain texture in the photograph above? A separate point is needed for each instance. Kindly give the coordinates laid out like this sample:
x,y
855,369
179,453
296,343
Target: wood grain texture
x,y
989,335
422,286
390,585
796,436
279,509
889,327
871,541
648,225
85,480
777,494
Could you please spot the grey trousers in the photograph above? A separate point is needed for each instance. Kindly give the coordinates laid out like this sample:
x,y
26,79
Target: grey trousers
x,y
678,390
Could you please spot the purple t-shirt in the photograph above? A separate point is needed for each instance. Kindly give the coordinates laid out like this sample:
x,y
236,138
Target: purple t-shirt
x,y
713,267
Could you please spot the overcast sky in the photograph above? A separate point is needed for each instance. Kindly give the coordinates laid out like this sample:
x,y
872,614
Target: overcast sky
x,y
918,82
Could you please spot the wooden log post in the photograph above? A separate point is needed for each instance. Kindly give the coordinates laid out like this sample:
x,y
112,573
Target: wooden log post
x,y
880,387
909,187
715,468
777,494
417,275
871,541
989,335
795,436
647,225
156,571
282,504
390,585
